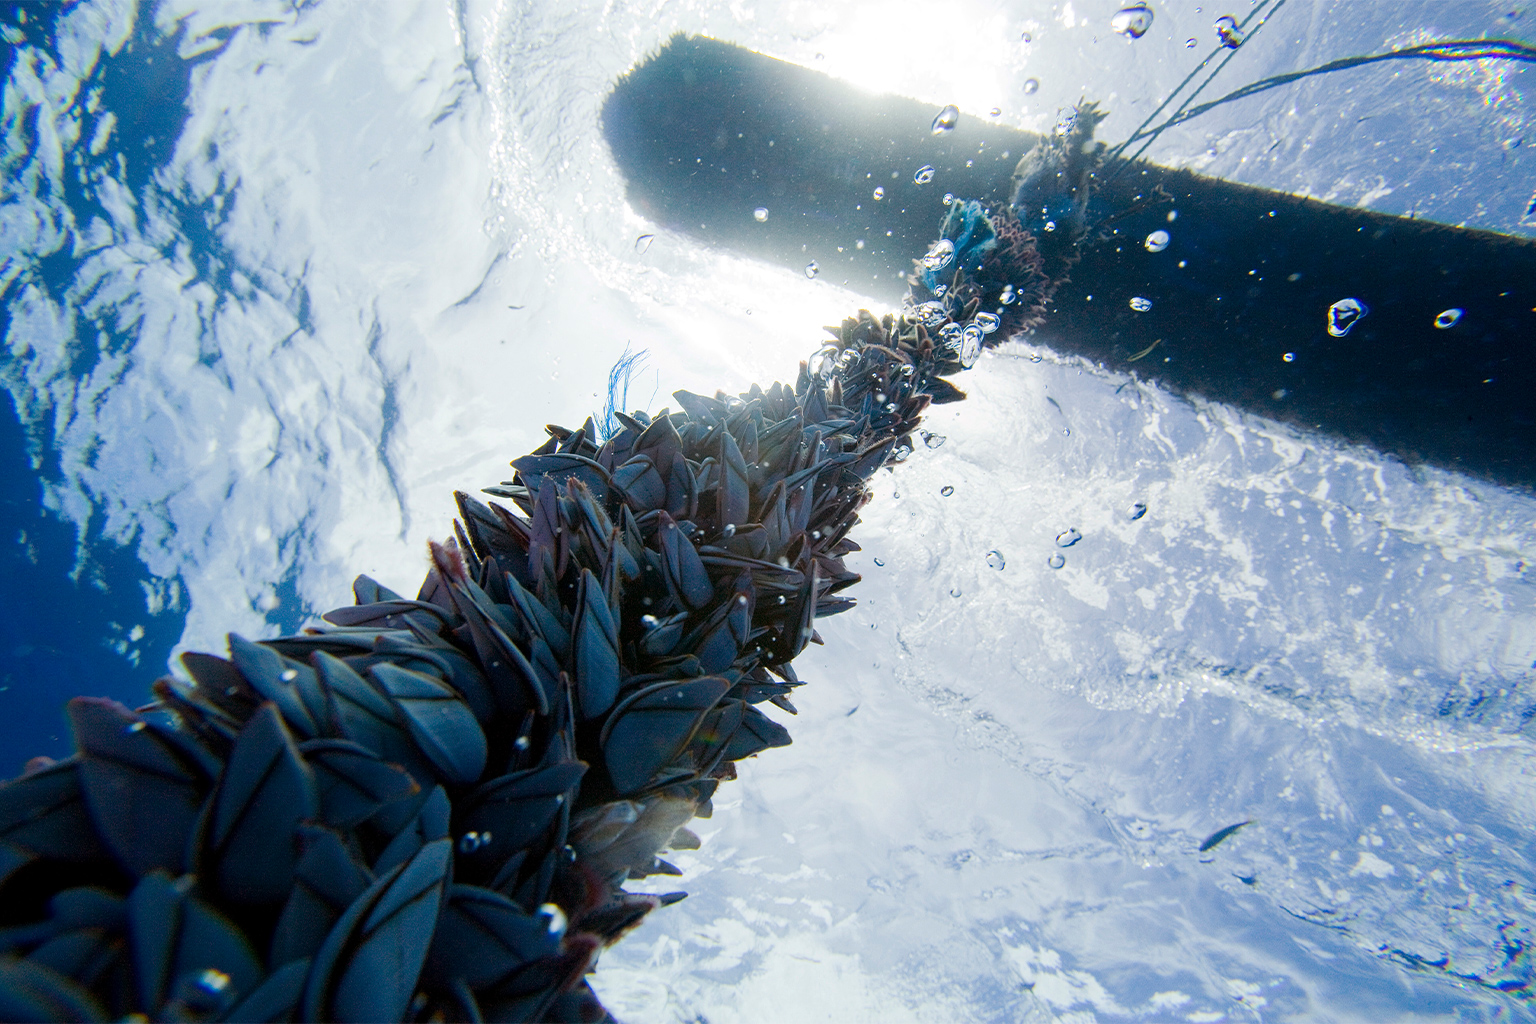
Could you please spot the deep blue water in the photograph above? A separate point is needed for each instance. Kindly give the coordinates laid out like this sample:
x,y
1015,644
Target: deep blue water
x,y
71,605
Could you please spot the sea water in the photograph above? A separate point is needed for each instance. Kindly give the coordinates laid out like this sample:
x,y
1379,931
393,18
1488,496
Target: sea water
x,y
276,281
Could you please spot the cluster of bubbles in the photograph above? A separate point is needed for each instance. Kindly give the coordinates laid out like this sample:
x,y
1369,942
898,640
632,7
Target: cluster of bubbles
x,y
1134,21
469,842
966,340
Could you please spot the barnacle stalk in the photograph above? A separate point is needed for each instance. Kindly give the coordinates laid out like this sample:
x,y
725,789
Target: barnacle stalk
x,y
426,808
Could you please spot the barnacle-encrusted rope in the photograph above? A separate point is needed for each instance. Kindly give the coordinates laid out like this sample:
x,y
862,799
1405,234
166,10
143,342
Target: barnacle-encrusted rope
x,y
426,808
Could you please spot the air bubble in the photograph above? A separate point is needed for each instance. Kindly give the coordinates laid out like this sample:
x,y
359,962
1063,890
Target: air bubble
x,y
1157,241
1227,33
1066,538
557,920
880,562
940,256
901,452
924,174
950,334
946,119
1132,22
823,362
761,213
1008,295
811,269
213,981
1191,43
1343,315
1448,318
997,112
946,490
1141,303
932,440
987,322
931,313
1137,510
879,192
643,243
995,560
1031,86
649,621
1057,560
970,345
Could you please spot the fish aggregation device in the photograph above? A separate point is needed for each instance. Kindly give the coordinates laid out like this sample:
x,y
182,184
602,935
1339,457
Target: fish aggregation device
x,y
1414,338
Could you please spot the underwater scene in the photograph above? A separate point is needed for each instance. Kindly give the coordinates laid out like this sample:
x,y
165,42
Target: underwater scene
x,y
1120,413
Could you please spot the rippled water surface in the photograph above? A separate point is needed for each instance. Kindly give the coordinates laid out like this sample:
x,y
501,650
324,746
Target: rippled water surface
x,y
276,280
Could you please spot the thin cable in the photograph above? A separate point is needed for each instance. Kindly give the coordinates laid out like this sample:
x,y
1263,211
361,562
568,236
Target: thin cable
x,y
1136,134
1184,106
1448,51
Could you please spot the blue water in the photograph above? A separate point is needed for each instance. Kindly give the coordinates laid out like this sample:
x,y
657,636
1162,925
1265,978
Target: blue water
x,y
275,278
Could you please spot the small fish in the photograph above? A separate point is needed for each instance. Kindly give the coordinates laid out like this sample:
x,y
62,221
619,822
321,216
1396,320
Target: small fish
x,y
1053,401
1220,836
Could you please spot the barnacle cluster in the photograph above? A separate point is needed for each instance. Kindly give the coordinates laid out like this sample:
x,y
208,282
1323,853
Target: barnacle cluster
x,y
985,262
426,808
